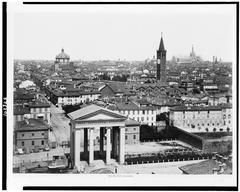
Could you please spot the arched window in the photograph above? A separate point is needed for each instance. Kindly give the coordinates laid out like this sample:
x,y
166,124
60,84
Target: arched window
x,y
206,129
214,129
228,129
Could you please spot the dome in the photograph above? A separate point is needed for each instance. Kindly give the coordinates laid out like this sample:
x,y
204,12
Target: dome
x,y
62,55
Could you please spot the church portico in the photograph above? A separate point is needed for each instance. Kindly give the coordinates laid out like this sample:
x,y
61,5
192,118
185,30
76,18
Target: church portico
x,y
110,127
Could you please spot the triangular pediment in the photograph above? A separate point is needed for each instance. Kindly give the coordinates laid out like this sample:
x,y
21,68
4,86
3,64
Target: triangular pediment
x,y
100,117
102,114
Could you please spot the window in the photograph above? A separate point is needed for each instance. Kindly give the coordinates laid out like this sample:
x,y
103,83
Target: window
x,y
138,119
143,112
224,116
220,129
32,142
22,143
147,118
42,134
229,116
22,135
208,124
125,137
229,122
32,134
42,142
134,129
142,118
206,129
203,124
134,136
213,124
126,129
224,122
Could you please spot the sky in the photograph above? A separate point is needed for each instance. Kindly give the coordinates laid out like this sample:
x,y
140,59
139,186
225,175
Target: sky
x,y
131,32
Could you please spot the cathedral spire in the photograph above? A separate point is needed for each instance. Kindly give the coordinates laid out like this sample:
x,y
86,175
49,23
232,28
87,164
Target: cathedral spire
x,y
161,46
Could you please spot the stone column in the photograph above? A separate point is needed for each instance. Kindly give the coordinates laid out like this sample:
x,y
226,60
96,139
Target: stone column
x,y
122,145
108,148
77,148
85,141
101,140
91,146
115,143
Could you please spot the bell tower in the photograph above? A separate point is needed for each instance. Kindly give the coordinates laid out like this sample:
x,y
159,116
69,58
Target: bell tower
x,y
161,62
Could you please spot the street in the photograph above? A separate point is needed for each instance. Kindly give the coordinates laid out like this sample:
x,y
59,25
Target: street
x,y
60,125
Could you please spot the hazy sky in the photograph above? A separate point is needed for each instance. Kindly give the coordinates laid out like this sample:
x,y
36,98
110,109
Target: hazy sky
x,y
129,32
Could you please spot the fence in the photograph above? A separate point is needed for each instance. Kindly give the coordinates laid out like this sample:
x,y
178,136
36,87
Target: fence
x,y
161,158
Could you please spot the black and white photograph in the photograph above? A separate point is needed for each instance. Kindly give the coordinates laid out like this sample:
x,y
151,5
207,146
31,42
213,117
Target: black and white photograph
x,y
122,94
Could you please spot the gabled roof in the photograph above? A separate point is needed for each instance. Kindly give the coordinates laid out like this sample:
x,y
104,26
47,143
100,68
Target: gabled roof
x,y
92,109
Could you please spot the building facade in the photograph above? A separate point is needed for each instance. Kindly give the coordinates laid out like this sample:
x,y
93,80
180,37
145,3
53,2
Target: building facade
x,y
31,134
202,119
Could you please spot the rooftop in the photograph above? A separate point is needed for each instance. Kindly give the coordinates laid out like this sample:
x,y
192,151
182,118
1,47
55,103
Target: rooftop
x,y
20,110
89,110
204,167
31,125
199,108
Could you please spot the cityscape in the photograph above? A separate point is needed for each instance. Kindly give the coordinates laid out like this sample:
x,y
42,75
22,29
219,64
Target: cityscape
x,y
159,115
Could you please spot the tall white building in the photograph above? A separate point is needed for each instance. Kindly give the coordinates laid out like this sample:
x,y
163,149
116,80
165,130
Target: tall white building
x,y
202,119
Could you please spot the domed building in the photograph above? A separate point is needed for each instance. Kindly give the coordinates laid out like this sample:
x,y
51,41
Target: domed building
x,y
62,57
62,62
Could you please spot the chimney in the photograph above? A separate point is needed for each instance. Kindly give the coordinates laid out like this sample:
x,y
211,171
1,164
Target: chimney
x,y
215,171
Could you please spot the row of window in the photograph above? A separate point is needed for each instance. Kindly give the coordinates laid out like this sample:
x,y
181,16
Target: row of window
x,y
142,119
33,143
224,116
208,124
134,129
221,129
40,110
136,112
126,137
32,134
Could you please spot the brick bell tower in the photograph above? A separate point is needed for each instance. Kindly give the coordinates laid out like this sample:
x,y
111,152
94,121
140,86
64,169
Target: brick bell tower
x,y
161,62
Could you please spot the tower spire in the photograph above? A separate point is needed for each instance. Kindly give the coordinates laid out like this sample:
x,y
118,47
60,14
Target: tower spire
x,y
161,46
